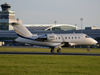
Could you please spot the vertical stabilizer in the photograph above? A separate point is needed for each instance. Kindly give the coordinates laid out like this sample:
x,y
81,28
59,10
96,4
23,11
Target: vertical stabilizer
x,y
21,30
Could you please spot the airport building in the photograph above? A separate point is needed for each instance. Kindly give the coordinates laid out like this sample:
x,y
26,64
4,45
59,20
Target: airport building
x,y
51,27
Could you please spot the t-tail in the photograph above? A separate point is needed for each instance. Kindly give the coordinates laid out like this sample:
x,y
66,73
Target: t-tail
x,y
21,30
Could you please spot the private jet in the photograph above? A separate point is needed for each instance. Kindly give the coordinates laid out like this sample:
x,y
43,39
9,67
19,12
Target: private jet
x,y
51,40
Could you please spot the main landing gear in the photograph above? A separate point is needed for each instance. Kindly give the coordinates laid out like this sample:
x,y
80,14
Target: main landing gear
x,y
52,50
58,50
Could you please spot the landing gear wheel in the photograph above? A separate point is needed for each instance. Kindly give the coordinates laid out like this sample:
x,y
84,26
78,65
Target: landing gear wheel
x,y
59,50
52,50
88,48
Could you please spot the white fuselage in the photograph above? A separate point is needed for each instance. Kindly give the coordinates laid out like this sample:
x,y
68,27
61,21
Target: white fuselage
x,y
72,39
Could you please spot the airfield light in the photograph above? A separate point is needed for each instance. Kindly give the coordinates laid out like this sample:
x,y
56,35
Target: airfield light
x,y
55,23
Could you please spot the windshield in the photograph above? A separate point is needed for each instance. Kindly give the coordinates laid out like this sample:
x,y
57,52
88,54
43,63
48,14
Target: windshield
x,y
87,36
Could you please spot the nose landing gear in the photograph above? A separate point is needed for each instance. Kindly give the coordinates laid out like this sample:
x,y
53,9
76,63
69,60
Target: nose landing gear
x,y
88,49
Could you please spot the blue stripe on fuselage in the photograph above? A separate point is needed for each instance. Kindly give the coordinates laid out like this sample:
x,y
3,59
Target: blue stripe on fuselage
x,y
25,37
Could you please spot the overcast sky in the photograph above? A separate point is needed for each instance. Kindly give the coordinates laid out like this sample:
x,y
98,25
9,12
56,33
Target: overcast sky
x,y
62,11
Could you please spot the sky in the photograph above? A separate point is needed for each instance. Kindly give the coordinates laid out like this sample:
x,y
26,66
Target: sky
x,y
62,11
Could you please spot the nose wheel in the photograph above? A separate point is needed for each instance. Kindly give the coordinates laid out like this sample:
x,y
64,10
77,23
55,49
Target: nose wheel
x,y
88,49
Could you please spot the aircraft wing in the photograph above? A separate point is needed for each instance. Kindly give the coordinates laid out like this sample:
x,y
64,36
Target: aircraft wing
x,y
65,44
72,44
60,45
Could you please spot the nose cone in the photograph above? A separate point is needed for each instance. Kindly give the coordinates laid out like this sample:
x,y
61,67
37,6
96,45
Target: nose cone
x,y
95,42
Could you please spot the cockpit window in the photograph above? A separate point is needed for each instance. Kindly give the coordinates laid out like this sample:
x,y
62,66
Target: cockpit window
x,y
87,36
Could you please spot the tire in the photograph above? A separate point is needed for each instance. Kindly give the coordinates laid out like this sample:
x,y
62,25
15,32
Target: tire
x,y
59,50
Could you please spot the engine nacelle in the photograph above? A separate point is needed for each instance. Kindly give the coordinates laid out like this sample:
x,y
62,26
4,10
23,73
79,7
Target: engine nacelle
x,y
51,37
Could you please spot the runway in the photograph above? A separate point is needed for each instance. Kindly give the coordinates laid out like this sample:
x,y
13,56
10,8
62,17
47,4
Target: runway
x,y
48,53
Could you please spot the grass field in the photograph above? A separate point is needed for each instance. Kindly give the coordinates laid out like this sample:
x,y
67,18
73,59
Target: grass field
x,y
31,49
49,64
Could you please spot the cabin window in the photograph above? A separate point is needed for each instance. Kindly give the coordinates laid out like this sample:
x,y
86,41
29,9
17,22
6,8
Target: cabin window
x,y
59,37
75,37
78,37
65,37
72,37
69,37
